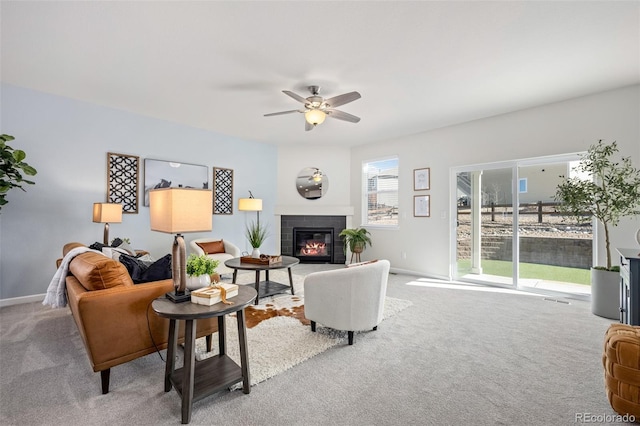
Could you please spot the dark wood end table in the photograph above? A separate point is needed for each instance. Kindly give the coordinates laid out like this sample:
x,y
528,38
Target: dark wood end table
x,y
214,373
267,287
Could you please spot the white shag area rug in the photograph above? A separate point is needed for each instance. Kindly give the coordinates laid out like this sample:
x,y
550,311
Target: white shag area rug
x,y
279,343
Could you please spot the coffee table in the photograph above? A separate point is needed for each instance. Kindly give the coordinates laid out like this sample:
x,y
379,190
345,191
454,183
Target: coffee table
x,y
267,287
198,379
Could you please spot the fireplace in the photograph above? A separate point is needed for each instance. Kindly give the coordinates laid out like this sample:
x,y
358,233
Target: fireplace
x,y
288,247
313,244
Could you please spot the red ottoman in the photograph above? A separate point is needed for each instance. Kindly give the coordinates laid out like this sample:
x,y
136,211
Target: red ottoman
x,y
621,360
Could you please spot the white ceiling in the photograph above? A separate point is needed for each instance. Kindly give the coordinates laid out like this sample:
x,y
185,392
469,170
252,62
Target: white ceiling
x,y
221,65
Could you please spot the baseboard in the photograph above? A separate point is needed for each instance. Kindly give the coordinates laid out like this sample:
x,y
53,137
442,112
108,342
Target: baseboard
x,y
22,300
419,274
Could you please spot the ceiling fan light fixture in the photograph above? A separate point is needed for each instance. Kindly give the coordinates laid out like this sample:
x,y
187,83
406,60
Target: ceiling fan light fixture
x,y
315,116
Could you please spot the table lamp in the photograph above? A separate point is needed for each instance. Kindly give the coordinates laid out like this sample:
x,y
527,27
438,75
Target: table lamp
x,y
175,211
250,205
107,213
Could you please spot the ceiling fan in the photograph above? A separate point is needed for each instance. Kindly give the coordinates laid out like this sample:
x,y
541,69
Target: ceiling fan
x,y
316,108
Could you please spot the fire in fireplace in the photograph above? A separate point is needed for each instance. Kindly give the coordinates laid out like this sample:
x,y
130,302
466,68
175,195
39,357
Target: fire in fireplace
x,y
313,244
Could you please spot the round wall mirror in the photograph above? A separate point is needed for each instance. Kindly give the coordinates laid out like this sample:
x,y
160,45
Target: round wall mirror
x,y
311,183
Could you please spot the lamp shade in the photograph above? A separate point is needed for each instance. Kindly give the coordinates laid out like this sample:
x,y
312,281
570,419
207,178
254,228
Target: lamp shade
x,y
178,210
107,212
250,204
315,116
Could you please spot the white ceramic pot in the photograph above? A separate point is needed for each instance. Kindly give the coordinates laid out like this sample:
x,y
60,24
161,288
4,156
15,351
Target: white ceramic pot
x,y
605,293
199,281
255,253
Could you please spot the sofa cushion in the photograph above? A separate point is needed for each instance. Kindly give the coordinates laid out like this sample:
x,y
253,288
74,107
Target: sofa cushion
x,y
143,272
212,247
98,272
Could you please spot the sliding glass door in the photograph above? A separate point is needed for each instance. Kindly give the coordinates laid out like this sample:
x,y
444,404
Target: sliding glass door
x,y
484,231
508,231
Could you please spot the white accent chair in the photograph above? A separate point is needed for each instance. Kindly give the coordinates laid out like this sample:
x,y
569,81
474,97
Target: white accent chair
x,y
350,299
230,249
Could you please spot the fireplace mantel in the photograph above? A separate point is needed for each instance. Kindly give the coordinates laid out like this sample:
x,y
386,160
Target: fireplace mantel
x,y
313,209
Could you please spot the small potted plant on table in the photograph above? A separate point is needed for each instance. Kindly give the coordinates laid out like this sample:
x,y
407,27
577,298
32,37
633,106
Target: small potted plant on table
x,y
201,271
256,234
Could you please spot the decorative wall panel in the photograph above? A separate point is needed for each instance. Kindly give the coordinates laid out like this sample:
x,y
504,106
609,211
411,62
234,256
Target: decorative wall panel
x,y
122,181
222,191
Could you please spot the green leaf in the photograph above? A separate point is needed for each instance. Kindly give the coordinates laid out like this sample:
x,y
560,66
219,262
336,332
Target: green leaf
x,y
19,155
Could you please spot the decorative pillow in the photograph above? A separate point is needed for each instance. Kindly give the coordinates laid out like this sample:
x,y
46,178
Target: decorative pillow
x,y
212,247
361,263
97,272
141,272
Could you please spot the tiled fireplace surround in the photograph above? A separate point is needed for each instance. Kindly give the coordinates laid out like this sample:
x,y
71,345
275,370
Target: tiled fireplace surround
x,y
336,218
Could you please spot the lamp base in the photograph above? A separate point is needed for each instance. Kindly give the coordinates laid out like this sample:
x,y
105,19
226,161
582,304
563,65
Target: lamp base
x,y
179,297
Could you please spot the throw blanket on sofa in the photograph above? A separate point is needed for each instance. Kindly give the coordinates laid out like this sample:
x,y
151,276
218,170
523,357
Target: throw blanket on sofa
x,y
56,295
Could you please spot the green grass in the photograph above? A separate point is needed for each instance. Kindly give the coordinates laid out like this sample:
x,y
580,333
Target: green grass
x,y
503,268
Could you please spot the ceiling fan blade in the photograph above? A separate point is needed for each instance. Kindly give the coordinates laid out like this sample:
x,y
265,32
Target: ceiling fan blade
x,y
308,126
281,113
342,99
295,96
341,115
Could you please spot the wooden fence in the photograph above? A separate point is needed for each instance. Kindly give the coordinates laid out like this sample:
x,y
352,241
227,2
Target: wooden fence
x,y
540,209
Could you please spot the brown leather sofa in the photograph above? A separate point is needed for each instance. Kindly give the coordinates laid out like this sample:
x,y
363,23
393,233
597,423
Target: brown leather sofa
x,y
114,315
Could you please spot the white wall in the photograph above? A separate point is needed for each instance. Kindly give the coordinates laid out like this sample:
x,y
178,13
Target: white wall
x,y
67,142
332,160
560,128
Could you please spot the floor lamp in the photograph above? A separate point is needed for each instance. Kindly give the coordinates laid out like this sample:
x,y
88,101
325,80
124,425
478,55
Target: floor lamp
x,y
176,211
107,213
250,205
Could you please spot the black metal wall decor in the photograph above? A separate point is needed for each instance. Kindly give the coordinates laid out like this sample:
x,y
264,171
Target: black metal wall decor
x,y
122,181
222,191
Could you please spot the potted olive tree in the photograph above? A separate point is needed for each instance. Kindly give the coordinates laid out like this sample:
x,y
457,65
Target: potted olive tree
x,y
613,193
356,240
12,167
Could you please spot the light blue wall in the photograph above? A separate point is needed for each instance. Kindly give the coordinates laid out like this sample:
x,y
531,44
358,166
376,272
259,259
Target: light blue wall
x,y
67,141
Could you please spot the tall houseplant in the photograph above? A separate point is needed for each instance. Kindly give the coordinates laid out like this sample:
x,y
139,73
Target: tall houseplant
x,y
356,240
613,193
11,169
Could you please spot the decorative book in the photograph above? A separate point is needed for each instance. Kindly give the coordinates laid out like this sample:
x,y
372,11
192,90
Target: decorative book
x,y
212,294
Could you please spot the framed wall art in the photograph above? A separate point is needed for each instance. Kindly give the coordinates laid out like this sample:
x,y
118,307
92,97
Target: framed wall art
x,y
421,205
171,174
421,179
122,181
222,191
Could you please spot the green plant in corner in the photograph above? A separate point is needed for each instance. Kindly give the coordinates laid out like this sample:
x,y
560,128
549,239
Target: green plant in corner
x,y
613,193
201,265
11,168
256,234
355,239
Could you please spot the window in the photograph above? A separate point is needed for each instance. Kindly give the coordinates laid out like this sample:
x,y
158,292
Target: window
x,y
522,185
380,192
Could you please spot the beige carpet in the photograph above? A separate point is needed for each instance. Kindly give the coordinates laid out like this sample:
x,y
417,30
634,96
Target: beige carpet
x,y
282,342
